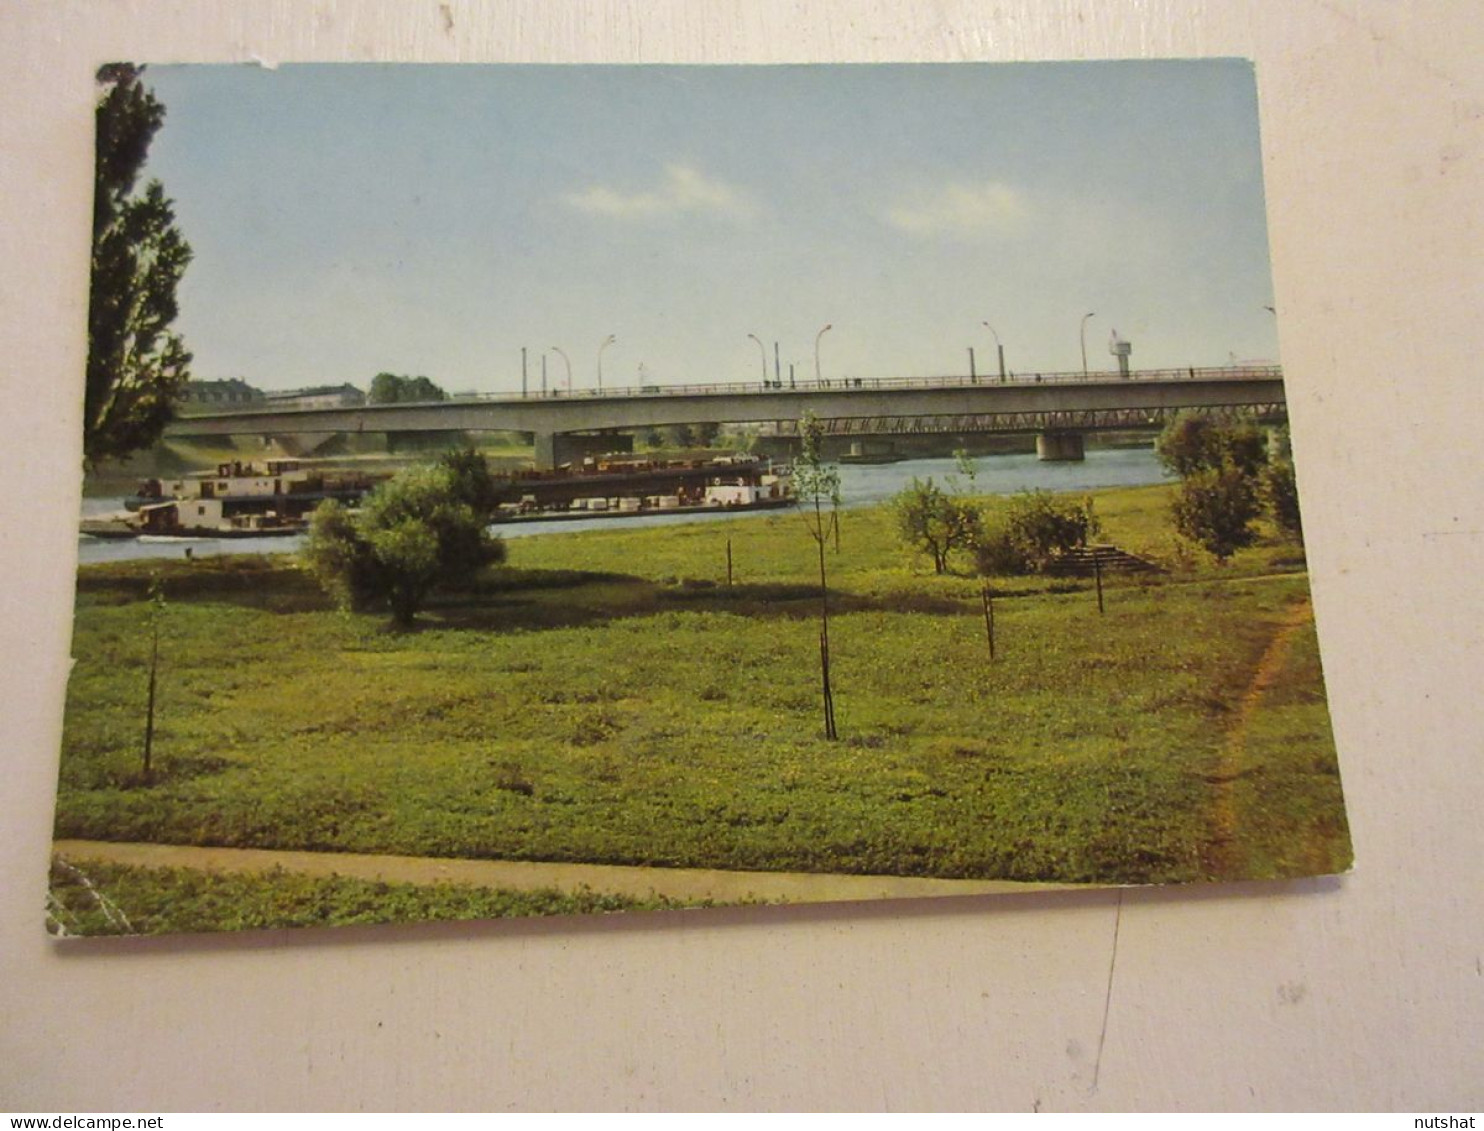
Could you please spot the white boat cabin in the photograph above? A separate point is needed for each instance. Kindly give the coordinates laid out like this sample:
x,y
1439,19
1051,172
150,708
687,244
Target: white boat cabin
x,y
238,480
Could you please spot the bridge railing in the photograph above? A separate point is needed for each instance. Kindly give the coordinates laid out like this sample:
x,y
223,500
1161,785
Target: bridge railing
x,y
847,384
827,384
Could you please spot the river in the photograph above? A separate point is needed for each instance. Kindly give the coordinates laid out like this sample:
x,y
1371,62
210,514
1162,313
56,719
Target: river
x,y
860,485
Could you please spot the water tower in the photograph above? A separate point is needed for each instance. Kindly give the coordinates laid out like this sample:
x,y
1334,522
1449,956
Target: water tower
x,y
1120,349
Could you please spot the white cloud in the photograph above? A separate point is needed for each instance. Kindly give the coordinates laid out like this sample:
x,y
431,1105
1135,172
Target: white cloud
x,y
682,189
988,209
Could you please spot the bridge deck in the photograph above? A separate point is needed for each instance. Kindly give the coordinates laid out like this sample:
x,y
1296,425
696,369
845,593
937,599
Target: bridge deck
x,y
1023,403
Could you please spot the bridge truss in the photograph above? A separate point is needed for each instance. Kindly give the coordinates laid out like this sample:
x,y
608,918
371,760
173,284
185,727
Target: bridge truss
x,y
1075,420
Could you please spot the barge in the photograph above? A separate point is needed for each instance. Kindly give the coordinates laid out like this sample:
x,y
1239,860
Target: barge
x,y
619,487
243,501
236,500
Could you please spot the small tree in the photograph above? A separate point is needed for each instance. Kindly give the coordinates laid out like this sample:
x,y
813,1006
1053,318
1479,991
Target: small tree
x,y
935,522
156,614
816,482
1215,509
413,534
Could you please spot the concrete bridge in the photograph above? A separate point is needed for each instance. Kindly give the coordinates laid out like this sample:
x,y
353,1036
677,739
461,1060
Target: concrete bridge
x,y
1059,408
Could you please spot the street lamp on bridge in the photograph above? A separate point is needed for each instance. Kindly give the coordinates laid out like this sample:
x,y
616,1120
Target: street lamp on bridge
x,y
559,352
1085,317
998,349
827,326
762,352
608,341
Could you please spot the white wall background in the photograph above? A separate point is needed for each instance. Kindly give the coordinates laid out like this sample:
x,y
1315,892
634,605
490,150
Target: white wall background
x,y
1366,992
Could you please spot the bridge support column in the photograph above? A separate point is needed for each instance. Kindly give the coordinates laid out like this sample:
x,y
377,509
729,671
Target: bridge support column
x,y
1059,447
556,448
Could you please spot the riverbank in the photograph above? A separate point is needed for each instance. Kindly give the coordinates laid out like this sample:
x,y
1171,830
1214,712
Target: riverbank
x,y
607,698
860,487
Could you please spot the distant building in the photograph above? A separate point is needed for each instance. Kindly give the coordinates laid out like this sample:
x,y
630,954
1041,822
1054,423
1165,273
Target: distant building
x,y
320,396
233,391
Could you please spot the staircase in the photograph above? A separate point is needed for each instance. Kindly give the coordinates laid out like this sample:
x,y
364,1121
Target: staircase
x,y
1085,560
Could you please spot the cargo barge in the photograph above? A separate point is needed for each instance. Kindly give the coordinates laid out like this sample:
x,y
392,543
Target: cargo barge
x,y
617,487
241,500
236,500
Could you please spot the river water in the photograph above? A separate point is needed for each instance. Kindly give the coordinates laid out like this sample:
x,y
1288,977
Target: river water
x,y
860,485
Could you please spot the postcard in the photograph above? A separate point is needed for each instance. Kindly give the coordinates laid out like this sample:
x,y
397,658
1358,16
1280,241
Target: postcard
x,y
548,490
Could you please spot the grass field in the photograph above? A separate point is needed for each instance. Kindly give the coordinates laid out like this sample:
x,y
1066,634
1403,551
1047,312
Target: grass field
x,y
607,698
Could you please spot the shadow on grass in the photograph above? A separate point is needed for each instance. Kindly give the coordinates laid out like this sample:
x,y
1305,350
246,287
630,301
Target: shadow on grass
x,y
533,600
250,580
504,598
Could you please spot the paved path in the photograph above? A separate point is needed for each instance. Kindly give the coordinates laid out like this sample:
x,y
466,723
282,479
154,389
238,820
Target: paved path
x,y
691,884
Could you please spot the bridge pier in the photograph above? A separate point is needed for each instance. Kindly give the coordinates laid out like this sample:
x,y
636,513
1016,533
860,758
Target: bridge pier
x,y
1059,447
556,448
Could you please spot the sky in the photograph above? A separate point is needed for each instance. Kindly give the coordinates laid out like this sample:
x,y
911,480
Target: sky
x,y
350,219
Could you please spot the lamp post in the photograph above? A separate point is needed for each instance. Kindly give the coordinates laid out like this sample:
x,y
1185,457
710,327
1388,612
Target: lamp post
x,y
762,353
827,326
998,349
608,341
1085,317
560,353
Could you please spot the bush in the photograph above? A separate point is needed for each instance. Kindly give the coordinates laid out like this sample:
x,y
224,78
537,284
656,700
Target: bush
x,y
413,534
998,555
1037,526
1216,509
1043,525
1280,491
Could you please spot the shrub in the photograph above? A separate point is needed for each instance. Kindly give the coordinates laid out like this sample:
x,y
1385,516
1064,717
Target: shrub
x,y
1043,525
1036,527
1280,491
413,534
998,555
1215,509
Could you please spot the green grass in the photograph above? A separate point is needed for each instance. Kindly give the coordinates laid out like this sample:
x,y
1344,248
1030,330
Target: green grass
x,y
636,710
95,898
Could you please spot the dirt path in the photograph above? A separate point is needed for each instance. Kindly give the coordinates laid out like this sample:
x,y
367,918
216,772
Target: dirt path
x,y
1219,855
677,883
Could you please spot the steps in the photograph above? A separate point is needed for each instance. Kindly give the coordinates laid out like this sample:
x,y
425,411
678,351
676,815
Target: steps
x,y
1082,562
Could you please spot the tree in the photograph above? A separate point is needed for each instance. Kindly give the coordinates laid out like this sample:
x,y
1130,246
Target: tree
x,y
1193,442
471,481
932,520
1215,509
136,366
816,482
1227,476
389,388
412,535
